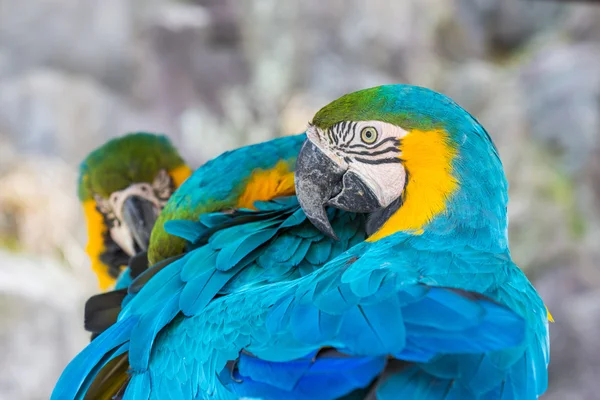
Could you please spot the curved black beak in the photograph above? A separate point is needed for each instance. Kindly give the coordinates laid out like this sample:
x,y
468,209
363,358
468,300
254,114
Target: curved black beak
x,y
140,215
320,182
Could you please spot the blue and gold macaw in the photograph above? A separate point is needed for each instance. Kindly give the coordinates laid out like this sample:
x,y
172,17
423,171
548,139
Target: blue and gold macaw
x,y
367,259
123,185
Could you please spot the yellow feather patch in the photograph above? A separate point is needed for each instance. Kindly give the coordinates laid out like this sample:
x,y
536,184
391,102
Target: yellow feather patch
x,y
95,245
180,174
427,157
268,184
550,317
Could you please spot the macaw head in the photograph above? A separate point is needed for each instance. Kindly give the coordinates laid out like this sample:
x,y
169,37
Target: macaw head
x,y
123,186
411,158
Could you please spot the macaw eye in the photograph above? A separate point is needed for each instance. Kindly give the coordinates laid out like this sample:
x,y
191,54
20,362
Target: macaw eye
x,y
368,135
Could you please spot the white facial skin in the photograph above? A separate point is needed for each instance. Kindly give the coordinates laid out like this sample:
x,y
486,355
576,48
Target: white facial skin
x,y
158,193
373,154
122,236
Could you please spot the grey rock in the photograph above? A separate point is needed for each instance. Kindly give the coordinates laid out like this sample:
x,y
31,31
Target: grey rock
x,y
49,112
561,86
196,54
583,22
94,37
502,26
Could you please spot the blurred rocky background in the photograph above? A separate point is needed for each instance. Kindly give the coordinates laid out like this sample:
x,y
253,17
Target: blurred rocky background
x,y
215,74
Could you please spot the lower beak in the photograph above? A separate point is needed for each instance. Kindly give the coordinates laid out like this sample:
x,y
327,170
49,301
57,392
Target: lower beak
x,y
320,182
140,215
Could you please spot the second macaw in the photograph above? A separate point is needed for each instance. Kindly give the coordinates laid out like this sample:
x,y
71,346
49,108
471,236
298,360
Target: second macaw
x,y
367,259
123,185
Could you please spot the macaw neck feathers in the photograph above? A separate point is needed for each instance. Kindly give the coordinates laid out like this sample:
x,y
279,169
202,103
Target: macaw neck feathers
x,y
427,158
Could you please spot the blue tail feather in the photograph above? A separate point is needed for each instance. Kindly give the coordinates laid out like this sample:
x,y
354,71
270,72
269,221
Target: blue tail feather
x,y
76,373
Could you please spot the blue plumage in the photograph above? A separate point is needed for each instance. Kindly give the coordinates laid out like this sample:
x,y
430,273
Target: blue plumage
x,y
303,378
264,305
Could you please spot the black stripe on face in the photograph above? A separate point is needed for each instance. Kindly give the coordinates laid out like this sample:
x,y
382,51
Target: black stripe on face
x,y
320,134
344,128
390,160
330,135
373,153
396,142
349,130
340,132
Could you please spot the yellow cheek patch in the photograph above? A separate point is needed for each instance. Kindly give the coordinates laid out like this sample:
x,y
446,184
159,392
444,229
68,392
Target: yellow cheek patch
x,y
264,185
180,174
95,245
427,157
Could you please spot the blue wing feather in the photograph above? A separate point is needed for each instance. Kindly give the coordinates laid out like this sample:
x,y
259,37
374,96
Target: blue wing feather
x,y
304,378
288,291
191,231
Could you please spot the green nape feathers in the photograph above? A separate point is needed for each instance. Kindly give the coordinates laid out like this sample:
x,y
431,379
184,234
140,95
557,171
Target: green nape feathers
x,y
134,158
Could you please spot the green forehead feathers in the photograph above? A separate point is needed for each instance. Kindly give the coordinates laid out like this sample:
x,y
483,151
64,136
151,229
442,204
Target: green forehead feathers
x,y
133,158
410,107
